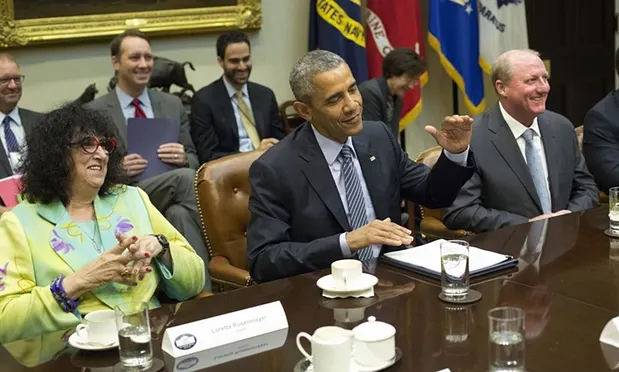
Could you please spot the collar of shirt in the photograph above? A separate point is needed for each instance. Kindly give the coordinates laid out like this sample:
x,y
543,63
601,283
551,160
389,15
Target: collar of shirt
x,y
14,115
232,90
331,149
125,99
516,127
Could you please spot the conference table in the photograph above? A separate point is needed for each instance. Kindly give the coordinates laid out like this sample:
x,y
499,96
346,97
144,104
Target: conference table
x,y
568,293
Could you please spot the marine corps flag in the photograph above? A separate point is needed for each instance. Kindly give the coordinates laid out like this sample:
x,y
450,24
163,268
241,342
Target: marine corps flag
x,y
390,27
335,25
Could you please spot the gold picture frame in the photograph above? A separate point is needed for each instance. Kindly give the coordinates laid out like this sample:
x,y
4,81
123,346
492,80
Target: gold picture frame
x,y
245,15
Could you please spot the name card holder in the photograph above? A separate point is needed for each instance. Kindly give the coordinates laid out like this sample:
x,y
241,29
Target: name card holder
x,y
208,342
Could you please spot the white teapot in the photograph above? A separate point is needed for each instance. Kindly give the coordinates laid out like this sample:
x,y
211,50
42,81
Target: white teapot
x,y
374,343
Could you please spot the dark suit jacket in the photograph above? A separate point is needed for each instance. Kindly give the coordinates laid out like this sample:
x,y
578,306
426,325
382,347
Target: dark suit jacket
x,y
213,124
501,192
296,211
601,141
28,119
164,106
375,93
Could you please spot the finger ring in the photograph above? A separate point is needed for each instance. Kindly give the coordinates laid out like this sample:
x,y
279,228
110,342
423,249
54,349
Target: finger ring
x,y
125,273
176,156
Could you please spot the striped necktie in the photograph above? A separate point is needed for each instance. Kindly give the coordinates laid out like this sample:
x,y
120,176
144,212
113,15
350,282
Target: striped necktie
x,y
11,141
357,216
534,162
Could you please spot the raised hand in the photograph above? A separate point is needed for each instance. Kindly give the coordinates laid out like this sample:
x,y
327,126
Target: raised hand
x,y
455,133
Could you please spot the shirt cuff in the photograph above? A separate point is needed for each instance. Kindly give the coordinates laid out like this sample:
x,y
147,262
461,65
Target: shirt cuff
x,y
165,272
460,158
344,246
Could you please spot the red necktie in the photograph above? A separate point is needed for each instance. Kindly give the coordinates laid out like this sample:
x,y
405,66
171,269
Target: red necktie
x,y
139,113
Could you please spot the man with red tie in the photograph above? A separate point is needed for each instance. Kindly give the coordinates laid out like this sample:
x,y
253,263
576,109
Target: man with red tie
x,y
171,192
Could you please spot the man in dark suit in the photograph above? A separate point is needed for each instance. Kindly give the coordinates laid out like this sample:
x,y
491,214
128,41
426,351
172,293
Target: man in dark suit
x,y
600,143
382,97
331,189
529,166
232,114
15,121
171,192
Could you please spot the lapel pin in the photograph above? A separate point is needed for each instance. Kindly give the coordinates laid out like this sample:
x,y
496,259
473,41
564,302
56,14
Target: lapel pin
x,y
372,158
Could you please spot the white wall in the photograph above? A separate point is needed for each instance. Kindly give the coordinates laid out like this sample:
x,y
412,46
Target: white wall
x,y
59,73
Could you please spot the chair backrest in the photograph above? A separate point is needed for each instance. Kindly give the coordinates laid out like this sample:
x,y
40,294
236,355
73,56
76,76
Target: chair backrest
x,y
579,134
429,157
289,116
222,188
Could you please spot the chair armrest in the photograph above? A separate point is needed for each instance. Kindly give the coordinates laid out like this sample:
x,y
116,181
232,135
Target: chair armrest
x,y
435,229
223,272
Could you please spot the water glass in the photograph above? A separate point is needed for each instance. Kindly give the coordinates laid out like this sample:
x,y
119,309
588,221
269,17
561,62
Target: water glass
x,y
455,268
613,209
134,344
506,341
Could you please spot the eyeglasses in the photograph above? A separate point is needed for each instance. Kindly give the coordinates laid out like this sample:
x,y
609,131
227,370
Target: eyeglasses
x,y
91,144
19,79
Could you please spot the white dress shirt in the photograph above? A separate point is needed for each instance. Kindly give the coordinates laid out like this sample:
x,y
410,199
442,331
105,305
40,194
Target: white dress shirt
x,y
517,130
245,143
129,110
20,135
331,149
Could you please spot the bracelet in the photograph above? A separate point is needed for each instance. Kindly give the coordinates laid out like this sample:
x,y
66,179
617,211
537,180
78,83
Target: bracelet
x,y
66,303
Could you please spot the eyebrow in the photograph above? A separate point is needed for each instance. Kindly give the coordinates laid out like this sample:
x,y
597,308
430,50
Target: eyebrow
x,y
354,83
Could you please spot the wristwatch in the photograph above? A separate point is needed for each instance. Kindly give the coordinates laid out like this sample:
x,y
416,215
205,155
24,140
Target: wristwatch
x,y
164,244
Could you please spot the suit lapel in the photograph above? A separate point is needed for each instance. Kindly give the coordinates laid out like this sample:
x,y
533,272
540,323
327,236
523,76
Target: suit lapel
x,y
552,151
157,106
507,146
226,107
370,166
4,162
117,114
318,174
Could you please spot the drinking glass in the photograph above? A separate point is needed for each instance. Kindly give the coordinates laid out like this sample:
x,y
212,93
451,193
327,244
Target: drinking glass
x,y
134,344
506,340
613,209
455,268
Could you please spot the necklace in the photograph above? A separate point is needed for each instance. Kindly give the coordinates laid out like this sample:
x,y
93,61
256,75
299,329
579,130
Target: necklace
x,y
96,246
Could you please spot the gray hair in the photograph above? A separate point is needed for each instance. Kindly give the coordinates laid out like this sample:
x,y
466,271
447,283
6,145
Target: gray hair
x,y
6,57
312,63
502,67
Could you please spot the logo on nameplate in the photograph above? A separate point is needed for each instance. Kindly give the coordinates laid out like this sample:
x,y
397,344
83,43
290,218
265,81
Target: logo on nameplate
x,y
185,341
187,363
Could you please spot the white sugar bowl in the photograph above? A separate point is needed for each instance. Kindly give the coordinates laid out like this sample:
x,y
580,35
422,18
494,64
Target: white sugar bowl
x,y
374,343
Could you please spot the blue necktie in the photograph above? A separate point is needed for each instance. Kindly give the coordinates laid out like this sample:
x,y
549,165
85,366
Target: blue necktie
x,y
357,216
534,162
11,141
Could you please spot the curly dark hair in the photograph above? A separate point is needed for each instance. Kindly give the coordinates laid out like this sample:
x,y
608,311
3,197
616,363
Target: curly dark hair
x,y
48,161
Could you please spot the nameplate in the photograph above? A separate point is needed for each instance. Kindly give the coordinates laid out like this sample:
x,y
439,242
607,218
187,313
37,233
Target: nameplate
x,y
225,334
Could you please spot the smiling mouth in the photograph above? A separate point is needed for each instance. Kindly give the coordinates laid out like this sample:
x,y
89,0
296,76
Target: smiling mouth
x,y
97,168
351,120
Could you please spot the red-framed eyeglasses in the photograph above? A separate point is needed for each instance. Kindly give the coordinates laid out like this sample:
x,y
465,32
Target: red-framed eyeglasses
x,y
91,144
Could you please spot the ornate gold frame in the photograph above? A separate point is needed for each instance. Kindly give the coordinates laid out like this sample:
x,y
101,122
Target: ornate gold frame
x,y
247,14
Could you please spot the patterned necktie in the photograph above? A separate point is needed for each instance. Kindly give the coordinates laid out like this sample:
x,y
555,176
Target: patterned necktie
x,y
139,113
534,162
247,118
389,110
357,216
11,141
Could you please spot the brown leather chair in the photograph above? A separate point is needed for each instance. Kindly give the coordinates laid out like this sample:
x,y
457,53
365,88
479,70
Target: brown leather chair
x,y
289,116
431,225
222,192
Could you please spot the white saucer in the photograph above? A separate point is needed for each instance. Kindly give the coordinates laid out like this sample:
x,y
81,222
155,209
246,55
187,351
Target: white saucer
x,y
305,365
78,343
365,282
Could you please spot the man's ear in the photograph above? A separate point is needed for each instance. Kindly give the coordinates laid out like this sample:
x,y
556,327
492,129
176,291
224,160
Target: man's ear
x,y
500,88
220,61
303,110
115,63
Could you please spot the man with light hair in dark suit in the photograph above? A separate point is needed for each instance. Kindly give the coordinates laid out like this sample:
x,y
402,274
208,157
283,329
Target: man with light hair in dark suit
x,y
15,121
171,192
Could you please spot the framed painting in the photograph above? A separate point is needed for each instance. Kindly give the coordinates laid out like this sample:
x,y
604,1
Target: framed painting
x,y
27,22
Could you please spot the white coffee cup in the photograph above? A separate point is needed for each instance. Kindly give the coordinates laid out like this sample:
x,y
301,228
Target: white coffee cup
x,y
345,273
331,349
374,344
98,327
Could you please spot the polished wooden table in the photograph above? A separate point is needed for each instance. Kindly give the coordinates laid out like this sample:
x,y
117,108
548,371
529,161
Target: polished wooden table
x,y
568,293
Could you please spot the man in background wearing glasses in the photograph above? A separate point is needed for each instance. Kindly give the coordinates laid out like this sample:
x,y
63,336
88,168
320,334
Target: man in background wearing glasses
x,y
15,122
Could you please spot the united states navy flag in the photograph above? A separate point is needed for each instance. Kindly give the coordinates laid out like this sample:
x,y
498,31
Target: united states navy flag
x,y
336,25
453,32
